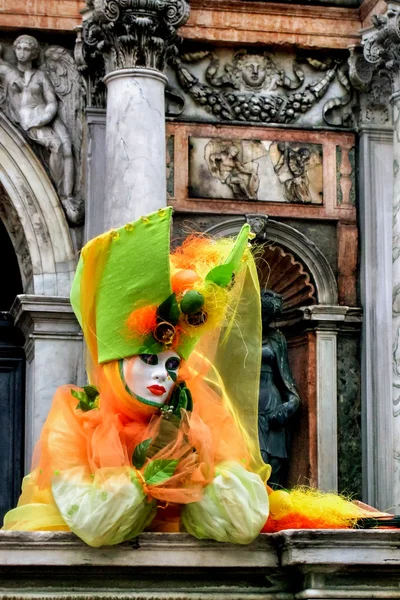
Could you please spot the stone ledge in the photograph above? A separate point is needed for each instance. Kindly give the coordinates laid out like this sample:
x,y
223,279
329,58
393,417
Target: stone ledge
x,y
340,547
292,565
19,548
286,549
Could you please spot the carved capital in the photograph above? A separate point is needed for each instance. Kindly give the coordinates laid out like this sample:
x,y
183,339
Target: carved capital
x,y
374,83
382,43
132,33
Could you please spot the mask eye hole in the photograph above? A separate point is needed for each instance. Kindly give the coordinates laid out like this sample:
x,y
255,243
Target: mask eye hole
x,y
149,359
172,363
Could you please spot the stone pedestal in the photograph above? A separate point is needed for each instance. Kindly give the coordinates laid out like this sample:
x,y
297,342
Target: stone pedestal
x,y
135,145
54,357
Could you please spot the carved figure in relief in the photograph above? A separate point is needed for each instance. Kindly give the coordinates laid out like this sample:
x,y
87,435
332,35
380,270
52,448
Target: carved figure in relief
x,y
279,400
299,168
251,87
31,102
225,164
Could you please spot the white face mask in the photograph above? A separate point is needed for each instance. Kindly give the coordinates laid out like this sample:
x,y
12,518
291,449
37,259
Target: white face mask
x,y
151,377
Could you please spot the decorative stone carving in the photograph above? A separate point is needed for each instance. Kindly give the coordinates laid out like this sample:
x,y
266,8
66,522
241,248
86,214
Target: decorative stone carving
x,y
374,85
282,273
42,102
132,33
253,87
382,45
345,175
267,171
49,267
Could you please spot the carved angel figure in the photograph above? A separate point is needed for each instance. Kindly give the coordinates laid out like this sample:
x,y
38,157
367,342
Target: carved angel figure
x,y
32,102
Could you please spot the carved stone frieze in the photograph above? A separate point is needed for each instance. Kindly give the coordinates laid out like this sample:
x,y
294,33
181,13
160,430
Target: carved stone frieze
x,y
259,87
131,33
42,94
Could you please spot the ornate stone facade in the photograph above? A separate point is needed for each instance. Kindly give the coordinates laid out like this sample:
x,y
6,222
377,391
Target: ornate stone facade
x,y
263,87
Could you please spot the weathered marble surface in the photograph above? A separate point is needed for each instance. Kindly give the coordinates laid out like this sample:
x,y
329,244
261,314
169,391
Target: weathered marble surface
x,y
376,175
135,146
286,566
396,300
382,50
54,357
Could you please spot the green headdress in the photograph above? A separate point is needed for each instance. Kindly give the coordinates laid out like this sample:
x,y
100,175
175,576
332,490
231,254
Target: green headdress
x,y
124,294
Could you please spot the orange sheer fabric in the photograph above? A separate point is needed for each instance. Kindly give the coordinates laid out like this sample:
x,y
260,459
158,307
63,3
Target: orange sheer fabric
x,y
108,435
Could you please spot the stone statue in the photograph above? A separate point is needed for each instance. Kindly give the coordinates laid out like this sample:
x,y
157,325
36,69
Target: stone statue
x,y
279,400
31,102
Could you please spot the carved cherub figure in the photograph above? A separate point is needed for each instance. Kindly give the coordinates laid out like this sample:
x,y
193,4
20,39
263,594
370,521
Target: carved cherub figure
x,y
31,102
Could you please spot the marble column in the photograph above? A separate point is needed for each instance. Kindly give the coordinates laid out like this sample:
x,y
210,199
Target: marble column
x,y
53,348
136,181
126,43
382,48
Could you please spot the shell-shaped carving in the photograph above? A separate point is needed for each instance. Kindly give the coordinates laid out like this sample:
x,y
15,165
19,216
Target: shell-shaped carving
x,y
280,272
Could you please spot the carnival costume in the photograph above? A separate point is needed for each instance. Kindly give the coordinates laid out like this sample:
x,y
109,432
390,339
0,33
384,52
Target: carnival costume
x,y
165,436
120,455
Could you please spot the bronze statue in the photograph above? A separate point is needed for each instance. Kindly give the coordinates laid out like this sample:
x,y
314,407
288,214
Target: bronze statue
x,y
279,400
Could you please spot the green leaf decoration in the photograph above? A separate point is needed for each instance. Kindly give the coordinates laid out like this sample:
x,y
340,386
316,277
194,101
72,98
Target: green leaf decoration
x,y
88,398
91,391
181,398
173,375
150,346
159,471
221,275
169,310
139,454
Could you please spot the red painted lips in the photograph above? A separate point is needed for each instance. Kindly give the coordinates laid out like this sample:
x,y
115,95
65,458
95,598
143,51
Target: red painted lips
x,y
157,390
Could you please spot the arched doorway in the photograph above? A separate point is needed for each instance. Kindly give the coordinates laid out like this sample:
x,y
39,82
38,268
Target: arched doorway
x,y
12,373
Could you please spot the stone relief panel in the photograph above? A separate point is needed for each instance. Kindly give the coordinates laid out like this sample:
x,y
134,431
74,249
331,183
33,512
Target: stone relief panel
x,y
42,93
267,171
263,87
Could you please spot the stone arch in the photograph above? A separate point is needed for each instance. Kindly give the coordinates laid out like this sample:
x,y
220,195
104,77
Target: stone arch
x,y
33,217
301,246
